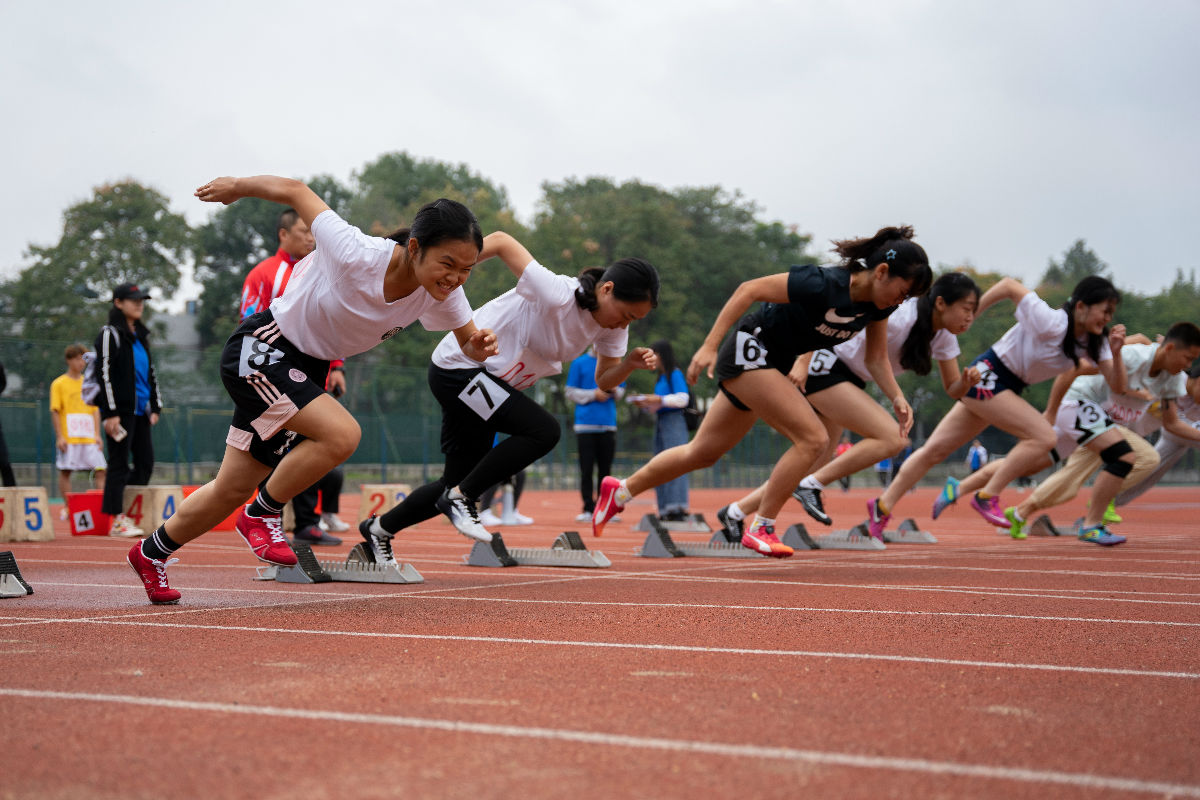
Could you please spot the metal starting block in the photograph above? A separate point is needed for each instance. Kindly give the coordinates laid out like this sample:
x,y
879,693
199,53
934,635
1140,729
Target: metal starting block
x,y
857,538
568,550
907,532
1042,526
659,544
11,582
695,523
357,568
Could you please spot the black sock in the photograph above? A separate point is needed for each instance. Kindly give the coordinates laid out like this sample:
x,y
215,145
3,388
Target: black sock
x,y
159,546
264,505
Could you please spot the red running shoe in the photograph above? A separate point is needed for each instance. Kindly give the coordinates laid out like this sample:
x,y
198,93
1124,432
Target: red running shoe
x,y
154,575
607,506
762,539
266,539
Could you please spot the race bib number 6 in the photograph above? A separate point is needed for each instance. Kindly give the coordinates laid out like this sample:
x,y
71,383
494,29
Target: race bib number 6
x,y
483,395
256,354
749,352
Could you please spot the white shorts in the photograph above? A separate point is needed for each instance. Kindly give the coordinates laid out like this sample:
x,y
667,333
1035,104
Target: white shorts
x,y
81,457
1078,422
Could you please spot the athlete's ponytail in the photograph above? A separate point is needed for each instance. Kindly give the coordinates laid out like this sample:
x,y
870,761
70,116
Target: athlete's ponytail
x,y
915,355
440,221
634,280
1091,290
892,246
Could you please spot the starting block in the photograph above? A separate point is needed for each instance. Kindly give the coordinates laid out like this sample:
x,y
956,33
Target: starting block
x,y
11,582
908,533
659,544
568,550
694,523
357,568
1042,526
857,538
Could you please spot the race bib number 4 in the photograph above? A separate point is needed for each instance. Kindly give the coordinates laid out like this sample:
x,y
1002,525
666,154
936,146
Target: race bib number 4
x,y
256,354
749,353
483,395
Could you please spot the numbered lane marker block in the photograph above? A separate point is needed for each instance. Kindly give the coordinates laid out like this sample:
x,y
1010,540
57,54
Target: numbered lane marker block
x,y
379,498
86,518
151,506
26,515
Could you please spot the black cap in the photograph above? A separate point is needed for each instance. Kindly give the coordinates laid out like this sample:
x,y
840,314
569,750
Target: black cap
x,y
129,291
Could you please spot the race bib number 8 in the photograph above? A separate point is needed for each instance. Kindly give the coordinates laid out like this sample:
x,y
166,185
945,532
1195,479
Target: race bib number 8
x,y
749,353
483,395
256,354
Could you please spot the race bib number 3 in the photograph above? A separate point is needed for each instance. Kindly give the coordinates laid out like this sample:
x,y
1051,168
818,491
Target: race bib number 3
x,y
483,395
256,354
750,353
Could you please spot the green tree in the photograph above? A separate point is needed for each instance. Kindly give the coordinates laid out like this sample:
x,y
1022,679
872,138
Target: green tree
x,y
1078,263
124,233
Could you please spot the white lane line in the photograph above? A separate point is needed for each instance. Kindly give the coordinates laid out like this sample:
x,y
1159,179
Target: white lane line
x,y
675,648
333,596
690,746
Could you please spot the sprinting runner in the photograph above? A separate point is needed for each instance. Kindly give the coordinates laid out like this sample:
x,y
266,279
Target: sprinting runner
x,y
1088,436
922,330
805,309
353,292
1045,342
545,320
1171,445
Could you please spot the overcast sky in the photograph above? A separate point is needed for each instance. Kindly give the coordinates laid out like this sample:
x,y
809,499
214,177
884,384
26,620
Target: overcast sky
x,y
1002,131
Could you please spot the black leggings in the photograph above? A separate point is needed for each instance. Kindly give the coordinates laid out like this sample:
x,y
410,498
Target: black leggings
x,y
596,450
472,464
137,442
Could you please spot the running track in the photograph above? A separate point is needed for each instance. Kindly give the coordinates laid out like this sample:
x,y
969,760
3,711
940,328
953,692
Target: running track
x,y
978,667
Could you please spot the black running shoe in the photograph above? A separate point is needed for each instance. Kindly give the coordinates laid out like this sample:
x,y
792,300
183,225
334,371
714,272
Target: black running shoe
x,y
463,516
732,529
811,500
378,548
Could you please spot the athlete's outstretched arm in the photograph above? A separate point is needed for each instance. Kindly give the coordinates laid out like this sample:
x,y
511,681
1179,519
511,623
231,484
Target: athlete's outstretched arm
x,y
507,249
768,289
881,371
286,191
957,383
1003,289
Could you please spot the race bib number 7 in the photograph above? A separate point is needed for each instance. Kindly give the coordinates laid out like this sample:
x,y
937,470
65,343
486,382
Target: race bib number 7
x,y
750,353
483,395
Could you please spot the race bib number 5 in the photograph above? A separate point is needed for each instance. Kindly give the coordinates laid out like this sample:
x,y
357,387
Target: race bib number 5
x,y
256,354
749,353
483,395
822,361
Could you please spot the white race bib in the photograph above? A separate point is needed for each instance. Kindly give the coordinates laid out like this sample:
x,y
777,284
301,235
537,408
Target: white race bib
x,y
483,395
81,426
1124,409
749,352
822,361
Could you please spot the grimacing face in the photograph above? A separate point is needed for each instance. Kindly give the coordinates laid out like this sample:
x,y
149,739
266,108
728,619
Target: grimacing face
x,y
444,267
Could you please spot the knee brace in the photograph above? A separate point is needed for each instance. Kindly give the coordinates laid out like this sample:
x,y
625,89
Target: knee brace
x,y
1111,456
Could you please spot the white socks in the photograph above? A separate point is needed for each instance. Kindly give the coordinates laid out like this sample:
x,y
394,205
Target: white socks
x,y
811,482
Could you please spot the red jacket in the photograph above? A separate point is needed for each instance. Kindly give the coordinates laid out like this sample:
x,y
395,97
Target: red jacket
x,y
267,281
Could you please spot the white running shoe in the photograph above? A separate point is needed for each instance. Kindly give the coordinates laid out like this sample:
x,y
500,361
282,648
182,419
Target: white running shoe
x,y
123,526
330,522
488,519
462,515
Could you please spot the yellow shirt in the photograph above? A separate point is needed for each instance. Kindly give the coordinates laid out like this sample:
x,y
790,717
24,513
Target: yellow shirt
x,y
77,418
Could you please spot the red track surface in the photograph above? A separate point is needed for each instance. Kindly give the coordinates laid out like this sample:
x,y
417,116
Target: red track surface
x,y
978,666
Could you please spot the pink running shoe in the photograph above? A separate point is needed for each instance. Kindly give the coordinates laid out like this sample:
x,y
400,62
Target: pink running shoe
x,y
762,539
875,522
266,539
991,511
154,575
607,506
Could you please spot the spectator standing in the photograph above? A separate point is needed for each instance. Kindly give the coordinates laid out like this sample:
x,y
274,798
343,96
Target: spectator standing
x,y
76,425
977,456
264,283
595,427
129,401
6,471
668,402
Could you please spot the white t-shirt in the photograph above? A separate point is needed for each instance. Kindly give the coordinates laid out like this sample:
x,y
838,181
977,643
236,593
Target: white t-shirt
x,y
1125,409
538,325
333,306
853,353
1032,349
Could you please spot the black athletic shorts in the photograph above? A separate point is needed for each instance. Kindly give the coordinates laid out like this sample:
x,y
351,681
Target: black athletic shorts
x,y
269,379
742,351
826,369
